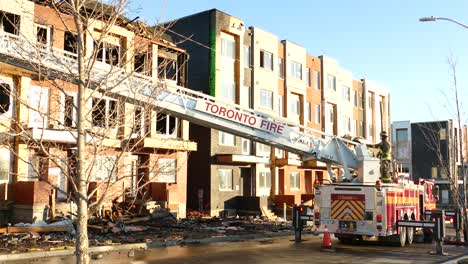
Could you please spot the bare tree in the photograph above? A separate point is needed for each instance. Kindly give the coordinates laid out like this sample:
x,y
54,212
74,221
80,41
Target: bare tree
x,y
454,106
88,106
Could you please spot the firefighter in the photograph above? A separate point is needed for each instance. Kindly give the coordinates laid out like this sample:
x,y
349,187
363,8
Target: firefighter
x,y
385,156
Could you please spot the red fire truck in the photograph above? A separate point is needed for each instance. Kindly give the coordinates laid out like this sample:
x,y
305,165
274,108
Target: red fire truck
x,y
363,211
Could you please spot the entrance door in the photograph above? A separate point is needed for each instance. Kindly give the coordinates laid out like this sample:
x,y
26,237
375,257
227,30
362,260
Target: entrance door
x,y
308,181
247,179
281,182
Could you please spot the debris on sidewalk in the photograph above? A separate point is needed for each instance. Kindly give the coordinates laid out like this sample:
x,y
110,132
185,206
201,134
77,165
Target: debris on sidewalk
x,y
160,226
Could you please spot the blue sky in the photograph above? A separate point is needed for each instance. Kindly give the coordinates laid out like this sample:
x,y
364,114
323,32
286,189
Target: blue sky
x,y
379,40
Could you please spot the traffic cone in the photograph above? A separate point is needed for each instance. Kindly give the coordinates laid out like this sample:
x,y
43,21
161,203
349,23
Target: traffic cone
x,y
326,242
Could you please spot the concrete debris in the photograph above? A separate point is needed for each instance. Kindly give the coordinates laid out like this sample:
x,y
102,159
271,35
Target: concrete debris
x,y
154,228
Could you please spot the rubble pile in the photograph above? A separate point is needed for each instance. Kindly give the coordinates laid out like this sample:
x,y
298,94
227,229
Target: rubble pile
x,y
157,227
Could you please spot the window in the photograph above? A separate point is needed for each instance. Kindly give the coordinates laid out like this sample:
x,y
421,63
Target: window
x,y
279,153
346,93
348,123
317,80
228,48
167,69
265,179
142,63
108,53
245,146
5,101
434,172
105,168
228,90
113,113
263,150
294,106
371,128
281,68
34,166
445,196
44,35
247,57
167,170
331,82
360,100
308,80
295,180
225,179
402,135
38,106
266,99
142,121
369,101
105,113
226,139
355,99
296,70
167,125
10,23
4,163
280,106
99,112
307,113
317,114
266,60
443,134
361,128
70,104
443,173
70,43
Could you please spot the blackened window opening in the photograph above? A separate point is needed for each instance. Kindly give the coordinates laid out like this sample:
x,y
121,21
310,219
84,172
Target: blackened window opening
x,y
10,22
167,69
99,112
142,63
69,105
70,44
5,91
113,113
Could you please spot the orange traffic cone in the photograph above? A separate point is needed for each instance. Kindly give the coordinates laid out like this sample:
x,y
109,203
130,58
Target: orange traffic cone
x,y
326,242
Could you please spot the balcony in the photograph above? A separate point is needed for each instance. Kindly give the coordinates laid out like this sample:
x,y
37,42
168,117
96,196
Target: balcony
x,y
56,62
163,143
241,159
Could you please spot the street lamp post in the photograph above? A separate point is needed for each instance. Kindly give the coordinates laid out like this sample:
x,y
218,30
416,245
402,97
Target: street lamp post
x,y
431,19
463,169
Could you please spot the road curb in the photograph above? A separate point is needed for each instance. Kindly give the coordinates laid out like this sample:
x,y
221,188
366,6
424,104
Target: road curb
x,y
455,261
218,239
68,252
140,246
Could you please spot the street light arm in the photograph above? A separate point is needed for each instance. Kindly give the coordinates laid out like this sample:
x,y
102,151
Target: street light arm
x,y
427,19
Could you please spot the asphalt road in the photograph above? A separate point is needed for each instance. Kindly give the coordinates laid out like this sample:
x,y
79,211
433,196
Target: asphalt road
x,y
278,250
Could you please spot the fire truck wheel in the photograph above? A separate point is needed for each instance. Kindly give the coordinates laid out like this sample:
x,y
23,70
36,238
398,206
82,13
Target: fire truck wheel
x,y
409,235
402,236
